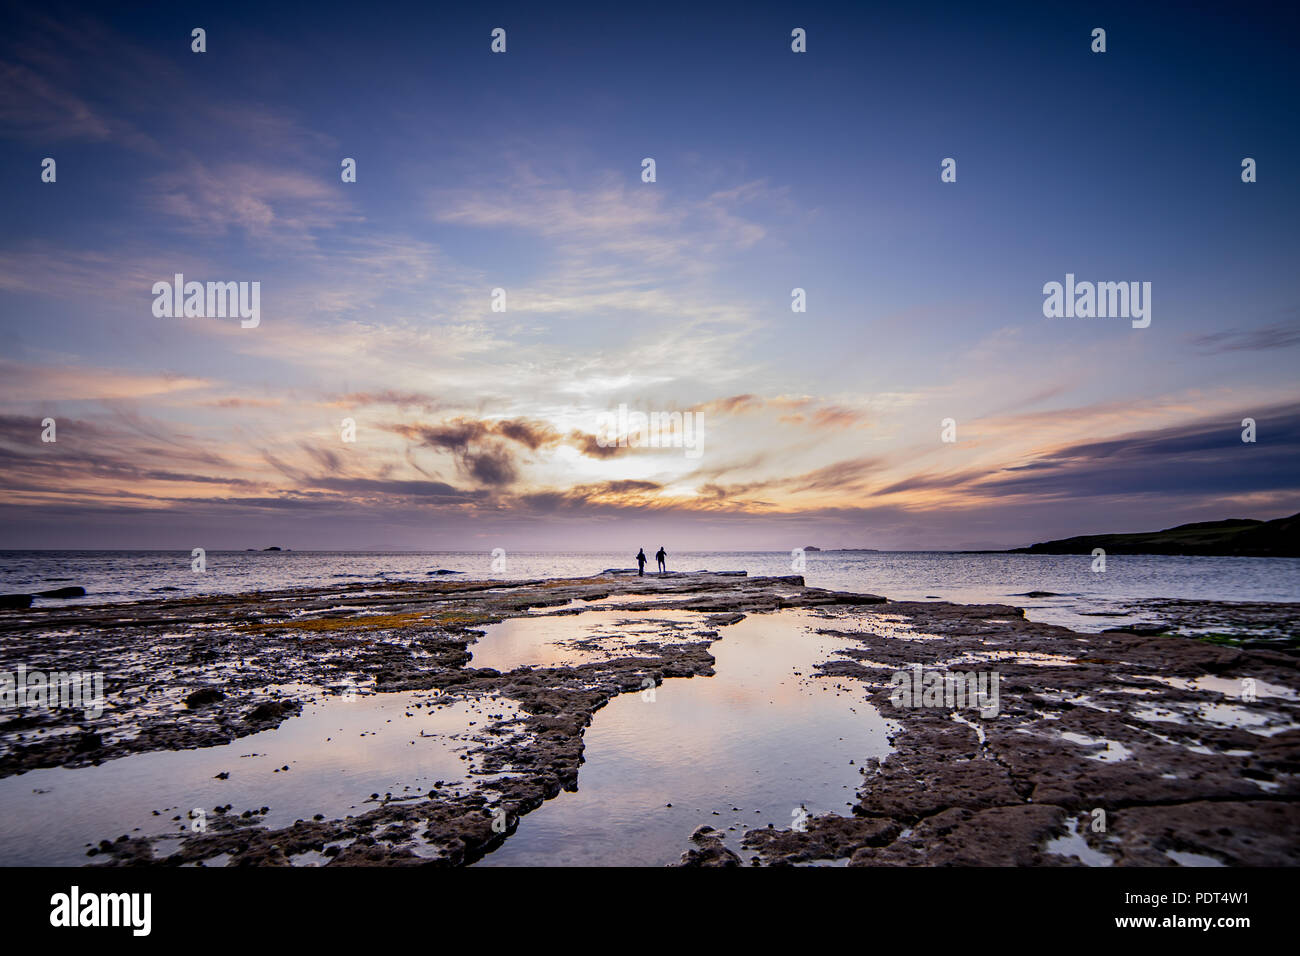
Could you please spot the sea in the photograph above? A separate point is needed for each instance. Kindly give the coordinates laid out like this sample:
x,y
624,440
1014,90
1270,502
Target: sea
x,y
1077,596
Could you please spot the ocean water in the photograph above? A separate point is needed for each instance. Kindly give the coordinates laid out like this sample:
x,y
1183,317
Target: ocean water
x,y
1079,592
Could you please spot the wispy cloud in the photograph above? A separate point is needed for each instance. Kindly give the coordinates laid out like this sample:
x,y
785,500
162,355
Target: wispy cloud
x,y
1280,336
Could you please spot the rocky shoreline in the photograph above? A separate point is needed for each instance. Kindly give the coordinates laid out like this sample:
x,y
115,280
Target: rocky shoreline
x,y
1152,730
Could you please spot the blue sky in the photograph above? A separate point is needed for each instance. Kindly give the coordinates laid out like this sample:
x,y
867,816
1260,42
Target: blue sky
x,y
522,171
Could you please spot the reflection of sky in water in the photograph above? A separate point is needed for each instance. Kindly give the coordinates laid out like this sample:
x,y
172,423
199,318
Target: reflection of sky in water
x,y
372,747
757,736
1073,844
1228,686
557,640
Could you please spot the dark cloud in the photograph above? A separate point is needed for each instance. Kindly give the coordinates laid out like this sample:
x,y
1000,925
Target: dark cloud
x,y
480,446
398,489
477,446
86,451
590,446
400,399
325,457
1204,458
605,496
927,481
535,435
493,465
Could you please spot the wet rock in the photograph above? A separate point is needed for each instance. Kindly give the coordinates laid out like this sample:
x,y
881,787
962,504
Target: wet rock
x,y
710,851
1141,630
272,712
1246,833
67,592
827,837
203,696
1073,732
998,836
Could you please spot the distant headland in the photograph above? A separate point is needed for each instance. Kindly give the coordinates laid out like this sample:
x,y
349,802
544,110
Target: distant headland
x,y
1232,537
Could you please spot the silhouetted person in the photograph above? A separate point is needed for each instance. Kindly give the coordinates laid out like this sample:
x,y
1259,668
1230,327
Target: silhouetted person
x,y
661,557
640,562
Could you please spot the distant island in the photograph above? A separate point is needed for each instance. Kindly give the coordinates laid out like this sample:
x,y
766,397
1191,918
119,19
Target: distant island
x,y
1233,537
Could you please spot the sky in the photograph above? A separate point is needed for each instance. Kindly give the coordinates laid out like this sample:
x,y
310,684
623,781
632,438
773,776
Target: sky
x,y
522,171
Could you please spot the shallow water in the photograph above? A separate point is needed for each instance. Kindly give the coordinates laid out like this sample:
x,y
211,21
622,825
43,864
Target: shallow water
x,y
1073,844
1229,687
1079,594
775,741
338,751
566,640
747,747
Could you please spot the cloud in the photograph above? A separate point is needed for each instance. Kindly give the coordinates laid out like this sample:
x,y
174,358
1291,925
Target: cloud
x,y
1205,457
263,201
732,405
841,476
479,455
123,275
20,382
244,403
590,446
396,490
1278,336
596,498
325,457
36,110
801,410
389,396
